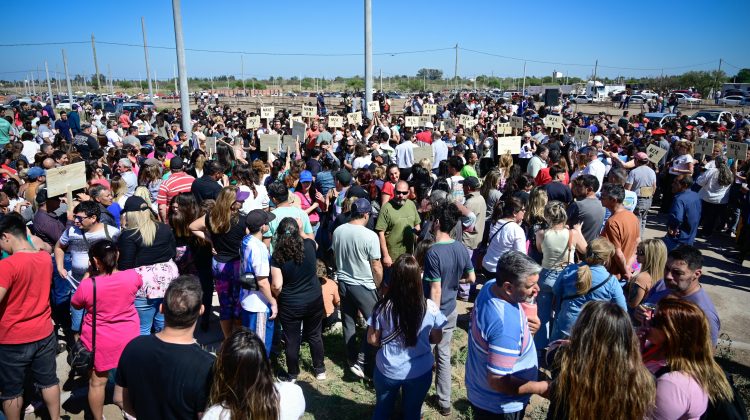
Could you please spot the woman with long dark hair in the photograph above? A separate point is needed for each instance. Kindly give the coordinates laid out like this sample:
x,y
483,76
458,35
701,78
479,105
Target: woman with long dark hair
x,y
403,325
295,283
248,181
243,384
714,193
311,201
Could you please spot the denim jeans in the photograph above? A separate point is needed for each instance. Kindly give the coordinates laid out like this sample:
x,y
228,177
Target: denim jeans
x,y
413,390
148,313
259,323
547,279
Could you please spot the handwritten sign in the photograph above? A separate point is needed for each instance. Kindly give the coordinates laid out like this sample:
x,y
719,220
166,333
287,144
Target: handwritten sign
x,y
464,119
289,143
411,122
429,109
309,111
423,152
335,121
424,119
252,123
373,106
735,150
655,153
704,146
267,112
354,117
582,136
470,123
299,129
269,142
510,144
516,122
295,118
70,177
553,121
503,128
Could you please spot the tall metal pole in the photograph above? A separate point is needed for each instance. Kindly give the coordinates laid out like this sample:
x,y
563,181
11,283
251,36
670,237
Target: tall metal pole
x,y
381,80
455,70
109,76
145,53
96,64
596,67
49,87
156,83
33,85
716,79
67,78
523,91
242,71
182,70
368,53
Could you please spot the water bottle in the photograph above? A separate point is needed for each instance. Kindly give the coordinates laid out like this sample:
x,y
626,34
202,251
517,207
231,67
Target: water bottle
x,y
529,307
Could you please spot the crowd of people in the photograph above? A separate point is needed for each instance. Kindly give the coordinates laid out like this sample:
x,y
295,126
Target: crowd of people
x,y
346,229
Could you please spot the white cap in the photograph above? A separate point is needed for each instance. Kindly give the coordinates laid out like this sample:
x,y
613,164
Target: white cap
x,y
428,125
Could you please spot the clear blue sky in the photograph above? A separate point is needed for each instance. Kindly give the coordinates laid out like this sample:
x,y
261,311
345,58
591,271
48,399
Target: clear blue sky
x,y
636,34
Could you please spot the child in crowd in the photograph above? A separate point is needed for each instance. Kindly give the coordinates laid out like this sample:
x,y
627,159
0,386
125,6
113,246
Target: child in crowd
x,y
331,299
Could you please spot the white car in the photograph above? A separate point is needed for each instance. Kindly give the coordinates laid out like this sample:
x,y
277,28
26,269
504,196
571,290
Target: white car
x,y
736,100
637,99
581,99
684,98
64,105
648,94
711,116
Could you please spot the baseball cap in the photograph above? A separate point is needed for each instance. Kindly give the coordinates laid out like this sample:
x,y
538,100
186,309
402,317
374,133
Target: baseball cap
x,y
135,203
641,156
35,172
471,182
361,206
176,163
85,126
344,177
356,191
659,132
305,176
242,195
257,218
429,125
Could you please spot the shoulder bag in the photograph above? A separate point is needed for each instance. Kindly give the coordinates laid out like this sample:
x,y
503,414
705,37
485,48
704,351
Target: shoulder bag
x,y
80,359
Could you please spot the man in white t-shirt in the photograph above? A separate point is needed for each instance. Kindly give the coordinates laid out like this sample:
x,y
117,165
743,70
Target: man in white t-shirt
x,y
595,166
439,151
113,139
405,155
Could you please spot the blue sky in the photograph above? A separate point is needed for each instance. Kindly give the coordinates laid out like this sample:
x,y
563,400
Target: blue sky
x,y
628,38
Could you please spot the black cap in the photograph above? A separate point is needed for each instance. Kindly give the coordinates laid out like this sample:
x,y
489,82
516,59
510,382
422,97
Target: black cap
x,y
357,191
41,196
135,203
176,163
471,182
344,177
257,218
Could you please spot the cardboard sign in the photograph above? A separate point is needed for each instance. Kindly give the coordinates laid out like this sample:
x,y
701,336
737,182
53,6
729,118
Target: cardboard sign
x,y
210,146
553,121
510,144
354,117
704,146
252,123
289,143
269,142
411,122
464,120
516,122
582,136
735,150
335,121
503,128
309,111
655,153
429,109
299,129
267,112
70,177
424,119
373,106
470,123
423,152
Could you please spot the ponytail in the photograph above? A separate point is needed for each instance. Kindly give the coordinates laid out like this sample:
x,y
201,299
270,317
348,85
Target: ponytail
x,y
583,283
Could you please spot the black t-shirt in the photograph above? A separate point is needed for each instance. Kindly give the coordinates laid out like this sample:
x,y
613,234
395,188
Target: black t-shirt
x,y
133,253
227,245
85,143
164,380
205,188
301,284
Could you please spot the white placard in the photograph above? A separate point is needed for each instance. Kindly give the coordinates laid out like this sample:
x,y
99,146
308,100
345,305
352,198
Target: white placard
x,y
252,123
210,146
72,177
655,153
736,150
335,121
429,109
269,142
309,111
267,112
510,144
582,136
354,117
373,106
410,122
503,128
422,152
299,129
516,122
464,120
553,121
424,119
704,146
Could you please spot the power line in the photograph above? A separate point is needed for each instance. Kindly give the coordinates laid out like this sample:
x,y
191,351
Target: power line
x,y
731,65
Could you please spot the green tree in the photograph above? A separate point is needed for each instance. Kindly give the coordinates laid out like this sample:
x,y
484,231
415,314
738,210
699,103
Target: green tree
x,y
125,84
430,74
743,76
307,83
355,83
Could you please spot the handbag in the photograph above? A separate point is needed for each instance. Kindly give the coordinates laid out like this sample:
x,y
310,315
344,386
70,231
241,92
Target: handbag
x,y
80,359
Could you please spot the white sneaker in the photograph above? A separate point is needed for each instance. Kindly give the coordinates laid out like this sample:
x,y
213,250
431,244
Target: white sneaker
x,y
356,369
321,376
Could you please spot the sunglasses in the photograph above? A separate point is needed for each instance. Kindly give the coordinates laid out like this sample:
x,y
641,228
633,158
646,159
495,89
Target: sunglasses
x,y
402,192
80,218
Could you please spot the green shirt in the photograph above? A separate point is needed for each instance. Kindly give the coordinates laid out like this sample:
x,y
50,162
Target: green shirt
x,y
5,128
398,226
468,171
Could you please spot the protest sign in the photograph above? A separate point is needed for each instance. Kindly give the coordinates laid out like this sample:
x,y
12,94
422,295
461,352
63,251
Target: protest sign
x,y
299,129
553,121
582,136
441,127
373,106
335,121
252,123
516,122
269,142
309,111
354,117
503,128
471,123
66,178
295,118
510,144
267,112
210,146
289,143
704,146
655,153
464,119
422,152
411,122
429,109
424,119
736,150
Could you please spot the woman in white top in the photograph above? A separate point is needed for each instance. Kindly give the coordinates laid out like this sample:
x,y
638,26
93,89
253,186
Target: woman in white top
x,y
682,164
506,233
247,180
243,384
714,193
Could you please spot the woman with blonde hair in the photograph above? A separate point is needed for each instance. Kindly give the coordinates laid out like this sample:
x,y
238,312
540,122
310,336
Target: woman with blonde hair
x,y
690,381
119,189
224,227
580,283
506,162
150,177
652,256
150,248
534,221
601,375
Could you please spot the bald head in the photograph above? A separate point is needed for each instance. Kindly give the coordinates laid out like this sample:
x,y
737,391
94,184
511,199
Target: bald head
x,y
48,163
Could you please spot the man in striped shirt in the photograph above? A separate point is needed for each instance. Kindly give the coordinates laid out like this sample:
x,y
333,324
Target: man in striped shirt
x,y
177,183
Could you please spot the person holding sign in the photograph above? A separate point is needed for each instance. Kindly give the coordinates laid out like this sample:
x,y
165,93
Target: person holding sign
x,y
682,164
642,181
715,183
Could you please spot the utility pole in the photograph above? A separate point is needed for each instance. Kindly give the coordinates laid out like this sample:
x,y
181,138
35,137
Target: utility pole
x,y
242,72
381,80
523,90
96,64
49,87
109,76
596,67
424,82
455,71
180,44
368,54
716,79
67,78
156,83
145,53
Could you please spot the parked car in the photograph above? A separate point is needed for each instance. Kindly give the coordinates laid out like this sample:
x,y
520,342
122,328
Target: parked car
x,y
711,115
129,106
581,99
637,99
688,93
148,105
648,94
736,92
736,100
658,119
64,105
685,98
